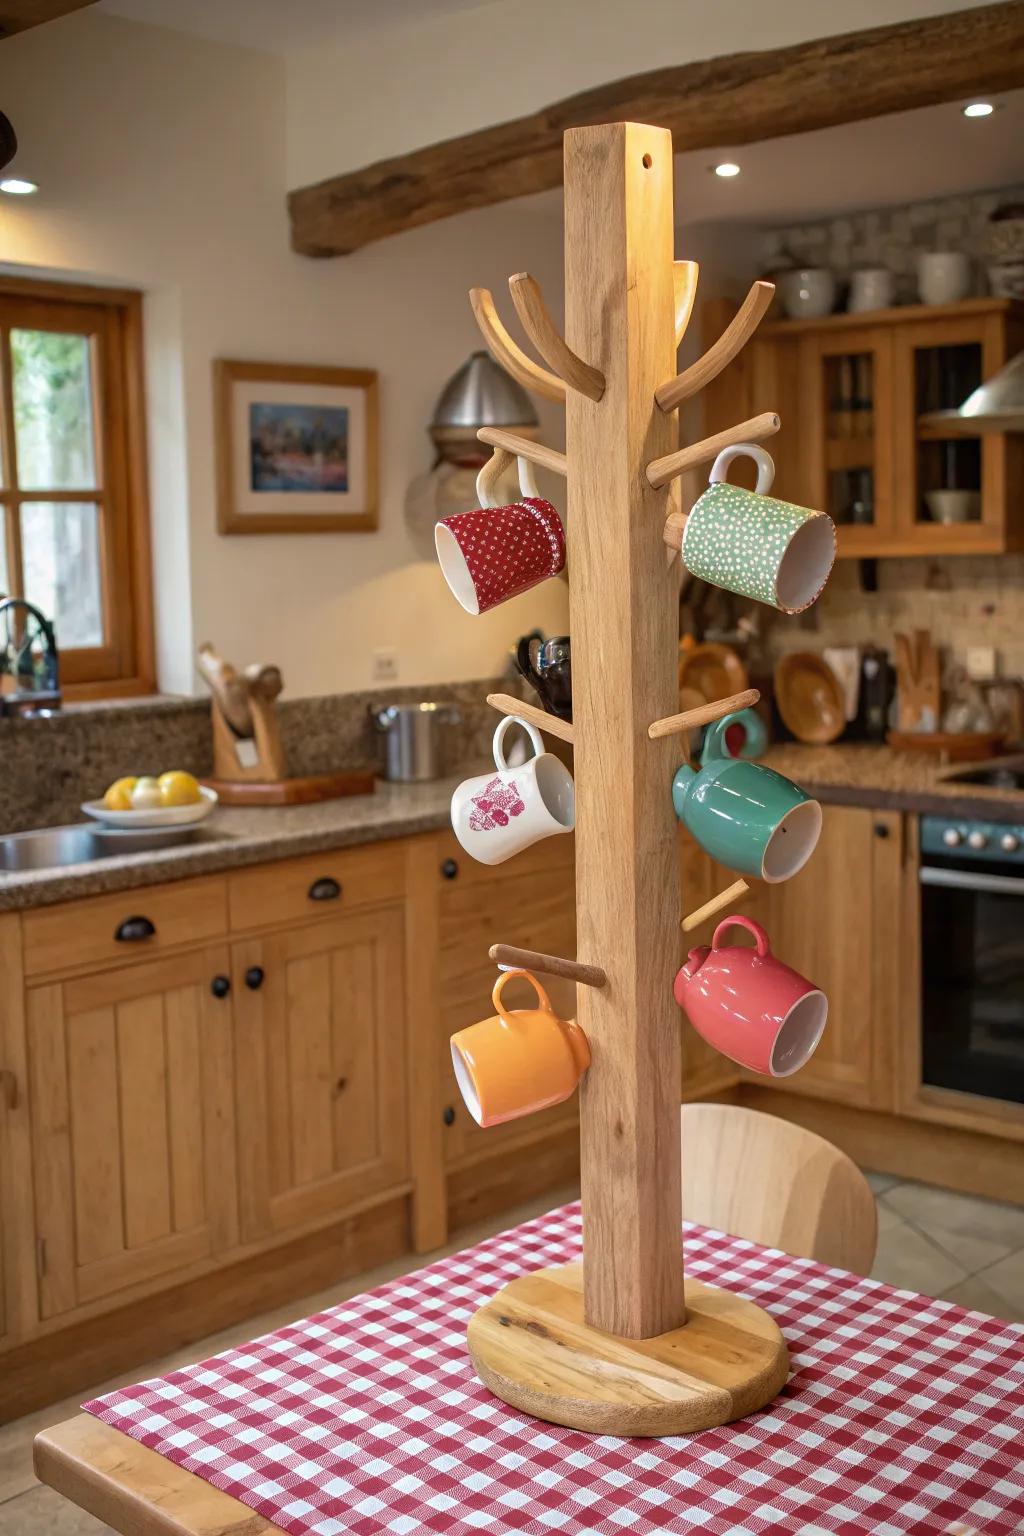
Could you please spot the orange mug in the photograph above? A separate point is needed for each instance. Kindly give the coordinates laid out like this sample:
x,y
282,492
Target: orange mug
x,y
523,1060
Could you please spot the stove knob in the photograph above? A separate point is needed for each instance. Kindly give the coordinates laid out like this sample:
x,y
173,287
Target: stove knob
x,y
952,838
977,840
1009,842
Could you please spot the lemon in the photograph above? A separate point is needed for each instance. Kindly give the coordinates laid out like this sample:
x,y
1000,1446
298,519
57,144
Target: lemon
x,y
146,795
119,796
178,788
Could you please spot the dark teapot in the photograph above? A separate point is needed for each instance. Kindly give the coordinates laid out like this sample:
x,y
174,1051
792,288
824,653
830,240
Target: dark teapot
x,y
547,667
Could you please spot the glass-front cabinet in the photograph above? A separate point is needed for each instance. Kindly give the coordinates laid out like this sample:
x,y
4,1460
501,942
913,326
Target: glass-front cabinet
x,y
855,394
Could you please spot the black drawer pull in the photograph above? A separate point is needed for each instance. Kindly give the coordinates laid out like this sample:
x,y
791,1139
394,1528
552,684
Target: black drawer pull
x,y
134,929
220,986
449,869
449,1115
881,830
254,978
324,889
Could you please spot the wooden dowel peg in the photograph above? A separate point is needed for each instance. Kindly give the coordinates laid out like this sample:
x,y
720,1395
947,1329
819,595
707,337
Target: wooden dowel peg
x,y
546,337
552,965
525,448
723,899
538,717
684,287
731,342
675,527
506,353
661,471
691,719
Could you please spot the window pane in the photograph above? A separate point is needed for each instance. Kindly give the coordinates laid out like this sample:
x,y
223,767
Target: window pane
x,y
61,554
53,422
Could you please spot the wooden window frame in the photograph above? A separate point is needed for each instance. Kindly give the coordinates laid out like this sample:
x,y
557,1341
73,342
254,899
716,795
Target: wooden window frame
x,y
124,665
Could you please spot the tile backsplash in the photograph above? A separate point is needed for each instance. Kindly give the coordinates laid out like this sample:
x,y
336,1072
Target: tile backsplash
x,y
966,600
894,237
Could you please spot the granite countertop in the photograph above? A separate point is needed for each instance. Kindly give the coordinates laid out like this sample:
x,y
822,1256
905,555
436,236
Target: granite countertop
x,y
231,838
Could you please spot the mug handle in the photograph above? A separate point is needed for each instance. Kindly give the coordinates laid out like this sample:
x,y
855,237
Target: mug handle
x,y
496,466
713,749
499,739
499,987
764,461
736,919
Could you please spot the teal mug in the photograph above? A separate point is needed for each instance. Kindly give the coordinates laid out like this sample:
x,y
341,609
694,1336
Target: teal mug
x,y
748,817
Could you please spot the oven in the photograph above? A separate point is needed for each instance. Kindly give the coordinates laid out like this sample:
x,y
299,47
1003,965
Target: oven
x,y
972,957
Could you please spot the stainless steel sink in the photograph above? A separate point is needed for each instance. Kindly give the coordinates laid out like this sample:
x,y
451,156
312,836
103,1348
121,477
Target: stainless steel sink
x,y
56,847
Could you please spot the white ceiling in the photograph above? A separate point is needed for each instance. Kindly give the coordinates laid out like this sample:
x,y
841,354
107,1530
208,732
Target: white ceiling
x,y
279,26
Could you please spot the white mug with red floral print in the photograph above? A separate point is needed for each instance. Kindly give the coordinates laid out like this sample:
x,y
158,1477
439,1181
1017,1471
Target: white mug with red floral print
x,y
496,815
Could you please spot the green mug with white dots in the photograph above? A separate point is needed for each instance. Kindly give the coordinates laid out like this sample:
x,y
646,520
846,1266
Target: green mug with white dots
x,y
750,543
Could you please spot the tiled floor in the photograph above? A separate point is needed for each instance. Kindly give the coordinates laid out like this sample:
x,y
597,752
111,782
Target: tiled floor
x,y
969,1250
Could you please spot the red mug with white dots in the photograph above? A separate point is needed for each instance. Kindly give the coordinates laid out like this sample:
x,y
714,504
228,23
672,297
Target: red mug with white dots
x,y
490,555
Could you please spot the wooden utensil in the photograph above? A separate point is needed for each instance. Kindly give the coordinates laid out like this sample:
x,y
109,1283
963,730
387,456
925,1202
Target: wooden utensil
x,y
230,691
918,687
810,697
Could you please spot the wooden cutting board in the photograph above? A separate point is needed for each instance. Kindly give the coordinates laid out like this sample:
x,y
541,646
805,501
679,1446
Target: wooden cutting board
x,y
918,686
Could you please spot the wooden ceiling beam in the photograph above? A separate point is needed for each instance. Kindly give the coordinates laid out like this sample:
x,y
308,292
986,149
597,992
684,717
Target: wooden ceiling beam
x,y
20,15
732,100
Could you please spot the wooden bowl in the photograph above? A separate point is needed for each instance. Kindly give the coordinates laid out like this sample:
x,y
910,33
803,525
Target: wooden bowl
x,y
810,697
713,671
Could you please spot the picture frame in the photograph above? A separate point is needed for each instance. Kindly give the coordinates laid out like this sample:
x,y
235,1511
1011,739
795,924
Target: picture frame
x,y
296,448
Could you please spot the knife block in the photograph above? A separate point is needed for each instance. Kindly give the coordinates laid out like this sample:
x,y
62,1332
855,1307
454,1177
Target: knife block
x,y
255,759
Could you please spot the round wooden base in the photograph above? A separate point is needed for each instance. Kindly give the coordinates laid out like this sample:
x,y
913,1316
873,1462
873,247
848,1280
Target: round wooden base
x,y
531,1347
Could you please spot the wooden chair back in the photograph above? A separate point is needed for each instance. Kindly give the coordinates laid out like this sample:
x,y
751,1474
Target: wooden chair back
x,y
763,1178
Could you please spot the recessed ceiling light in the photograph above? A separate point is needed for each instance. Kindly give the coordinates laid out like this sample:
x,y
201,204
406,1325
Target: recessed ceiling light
x,y
16,187
979,109
727,168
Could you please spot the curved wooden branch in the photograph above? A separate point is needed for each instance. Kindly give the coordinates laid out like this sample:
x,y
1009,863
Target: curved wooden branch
x,y
546,337
661,471
731,342
684,287
504,350
525,448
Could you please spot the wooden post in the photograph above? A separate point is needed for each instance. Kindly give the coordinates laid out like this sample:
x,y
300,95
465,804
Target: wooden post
x,y
620,314
616,1350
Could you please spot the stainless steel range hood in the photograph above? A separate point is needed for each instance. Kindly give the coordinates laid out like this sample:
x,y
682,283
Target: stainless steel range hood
x,y
995,406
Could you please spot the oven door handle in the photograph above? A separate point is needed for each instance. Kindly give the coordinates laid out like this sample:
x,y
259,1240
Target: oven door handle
x,y
964,880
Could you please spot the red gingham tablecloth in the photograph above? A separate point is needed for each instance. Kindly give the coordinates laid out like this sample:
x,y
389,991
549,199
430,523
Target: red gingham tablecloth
x,y
902,1414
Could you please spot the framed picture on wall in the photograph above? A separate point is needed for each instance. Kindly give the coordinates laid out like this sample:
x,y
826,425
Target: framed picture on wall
x,y
296,448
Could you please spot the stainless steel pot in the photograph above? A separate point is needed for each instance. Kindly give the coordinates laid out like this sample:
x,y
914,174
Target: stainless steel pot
x,y
411,738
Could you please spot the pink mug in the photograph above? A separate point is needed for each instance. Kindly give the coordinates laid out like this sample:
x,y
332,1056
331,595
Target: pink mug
x,y
495,553
760,1013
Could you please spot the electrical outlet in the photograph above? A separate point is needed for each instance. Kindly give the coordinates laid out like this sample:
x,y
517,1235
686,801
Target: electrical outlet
x,y
385,666
981,663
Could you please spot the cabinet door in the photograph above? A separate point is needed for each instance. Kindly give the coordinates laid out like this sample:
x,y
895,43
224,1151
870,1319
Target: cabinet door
x,y
529,901
132,1126
848,434
320,1047
969,480
838,923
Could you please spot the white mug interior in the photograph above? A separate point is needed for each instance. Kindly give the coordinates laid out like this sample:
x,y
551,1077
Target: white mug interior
x,y
467,1088
454,569
804,567
792,843
556,789
798,1035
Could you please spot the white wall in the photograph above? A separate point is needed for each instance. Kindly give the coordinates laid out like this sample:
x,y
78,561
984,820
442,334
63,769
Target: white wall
x,y
160,161
354,102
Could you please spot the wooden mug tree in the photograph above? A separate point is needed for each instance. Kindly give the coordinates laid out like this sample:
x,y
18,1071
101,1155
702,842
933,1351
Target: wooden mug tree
x,y
615,1347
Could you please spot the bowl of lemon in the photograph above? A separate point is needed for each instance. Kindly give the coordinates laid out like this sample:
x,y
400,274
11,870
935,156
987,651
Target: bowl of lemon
x,y
174,799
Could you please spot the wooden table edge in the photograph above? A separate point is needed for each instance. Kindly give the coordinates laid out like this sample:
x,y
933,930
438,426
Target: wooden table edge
x,y
133,1489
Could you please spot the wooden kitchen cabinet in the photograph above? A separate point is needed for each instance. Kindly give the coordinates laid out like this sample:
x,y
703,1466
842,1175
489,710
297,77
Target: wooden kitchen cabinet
x,y
837,922
852,392
320,1070
133,1132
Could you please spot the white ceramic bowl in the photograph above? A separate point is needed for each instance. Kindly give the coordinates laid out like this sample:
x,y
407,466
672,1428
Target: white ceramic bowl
x,y
808,293
954,506
166,816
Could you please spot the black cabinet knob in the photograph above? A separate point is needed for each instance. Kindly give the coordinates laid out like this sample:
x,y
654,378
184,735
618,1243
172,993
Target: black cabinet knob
x,y
134,929
449,869
324,889
881,830
220,986
254,978
449,1115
